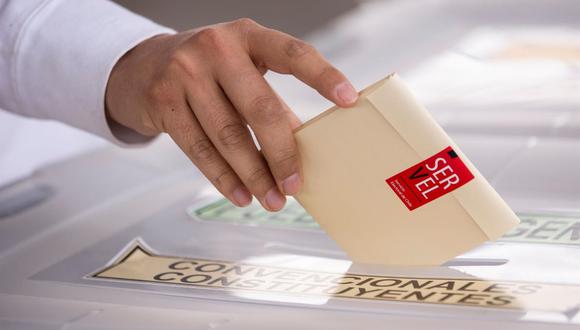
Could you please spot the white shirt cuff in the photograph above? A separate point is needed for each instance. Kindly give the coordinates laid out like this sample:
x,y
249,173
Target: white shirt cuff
x,y
65,55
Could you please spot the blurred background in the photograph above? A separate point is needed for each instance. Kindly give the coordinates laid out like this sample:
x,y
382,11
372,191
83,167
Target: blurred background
x,y
295,17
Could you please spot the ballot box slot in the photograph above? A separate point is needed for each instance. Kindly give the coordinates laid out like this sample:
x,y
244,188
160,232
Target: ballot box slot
x,y
276,247
475,262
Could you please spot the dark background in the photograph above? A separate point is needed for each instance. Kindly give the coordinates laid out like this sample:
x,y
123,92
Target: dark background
x,y
296,17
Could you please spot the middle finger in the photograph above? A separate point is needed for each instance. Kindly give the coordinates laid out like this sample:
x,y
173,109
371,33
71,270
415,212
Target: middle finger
x,y
232,138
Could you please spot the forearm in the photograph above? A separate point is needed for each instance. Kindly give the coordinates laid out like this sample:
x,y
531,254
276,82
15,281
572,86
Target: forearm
x,y
56,57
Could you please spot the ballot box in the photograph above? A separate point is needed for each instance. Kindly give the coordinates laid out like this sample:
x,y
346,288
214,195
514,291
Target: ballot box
x,y
157,246
139,239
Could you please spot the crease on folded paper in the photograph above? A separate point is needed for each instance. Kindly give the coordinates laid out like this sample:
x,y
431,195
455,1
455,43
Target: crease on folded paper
x,y
427,129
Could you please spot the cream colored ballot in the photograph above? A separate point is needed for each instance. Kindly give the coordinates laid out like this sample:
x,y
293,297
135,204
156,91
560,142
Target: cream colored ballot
x,y
390,187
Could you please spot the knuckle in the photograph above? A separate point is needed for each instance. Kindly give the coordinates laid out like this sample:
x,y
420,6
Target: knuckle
x,y
179,61
285,159
179,57
202,150
157,93
209,38
266,110
258,176
183,63
330,73
296,48
245,23
221,180
232,134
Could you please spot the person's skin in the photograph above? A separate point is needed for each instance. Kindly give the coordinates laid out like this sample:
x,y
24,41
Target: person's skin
x,y
204,87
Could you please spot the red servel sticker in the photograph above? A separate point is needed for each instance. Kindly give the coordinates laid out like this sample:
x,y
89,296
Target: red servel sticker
x,y
430,179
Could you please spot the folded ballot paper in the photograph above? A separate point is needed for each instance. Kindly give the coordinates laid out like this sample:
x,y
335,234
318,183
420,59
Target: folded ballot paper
x,y
390,187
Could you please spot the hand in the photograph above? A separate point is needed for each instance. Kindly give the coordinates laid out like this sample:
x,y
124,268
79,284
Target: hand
x,y
204,87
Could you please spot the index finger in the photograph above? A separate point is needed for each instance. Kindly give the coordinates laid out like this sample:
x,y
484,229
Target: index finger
x,y
283,53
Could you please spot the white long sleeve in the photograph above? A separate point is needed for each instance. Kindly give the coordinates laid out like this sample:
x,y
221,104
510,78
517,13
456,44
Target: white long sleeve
x,y
56,57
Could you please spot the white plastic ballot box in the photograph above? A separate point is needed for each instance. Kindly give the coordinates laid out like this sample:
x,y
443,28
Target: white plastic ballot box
x,y
149,243
139,239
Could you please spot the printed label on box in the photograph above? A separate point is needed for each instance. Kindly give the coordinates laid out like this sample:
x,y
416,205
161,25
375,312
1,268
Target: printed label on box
x,y
140,265
430,179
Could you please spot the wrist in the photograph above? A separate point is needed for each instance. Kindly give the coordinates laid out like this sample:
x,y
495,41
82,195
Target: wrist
x,y
124,96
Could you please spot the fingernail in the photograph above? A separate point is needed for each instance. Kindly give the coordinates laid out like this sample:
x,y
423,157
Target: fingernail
x,y
274,200
291,185
346,93
242,196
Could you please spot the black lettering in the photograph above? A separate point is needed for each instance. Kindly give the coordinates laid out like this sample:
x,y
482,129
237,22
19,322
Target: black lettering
x,y
418,296
331,290
500,300
415,284
391,294
447,295
472,298
498,288
190,278
224,281
338,280
363,291
466,286
448,285
210,267
365,281
161,277
176,264
392,281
